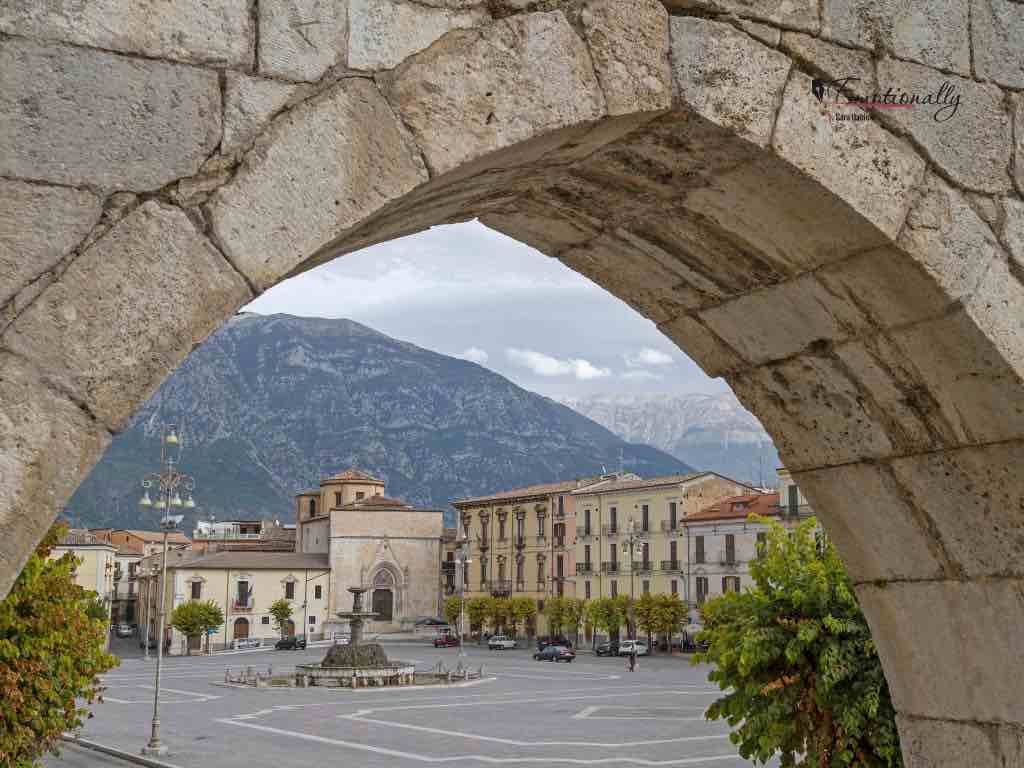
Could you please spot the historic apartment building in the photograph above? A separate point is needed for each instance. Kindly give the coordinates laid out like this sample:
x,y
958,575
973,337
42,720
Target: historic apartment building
x,y
520,542
629,532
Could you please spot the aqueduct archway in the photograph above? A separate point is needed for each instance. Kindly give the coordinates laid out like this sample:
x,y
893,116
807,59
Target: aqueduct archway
x,y
858,283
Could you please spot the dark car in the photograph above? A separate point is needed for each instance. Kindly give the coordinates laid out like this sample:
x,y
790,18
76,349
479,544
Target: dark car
x,y
607,649
446,641
555,653
544,642
291,643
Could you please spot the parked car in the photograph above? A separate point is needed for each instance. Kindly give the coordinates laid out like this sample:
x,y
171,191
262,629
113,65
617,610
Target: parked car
x,y
611,648
500,643
544,642
555,653
430,621
123,630
690,633
246,642
446,641
296,643
626,647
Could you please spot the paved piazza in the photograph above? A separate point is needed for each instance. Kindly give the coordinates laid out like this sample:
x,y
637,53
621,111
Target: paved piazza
x,y
591,712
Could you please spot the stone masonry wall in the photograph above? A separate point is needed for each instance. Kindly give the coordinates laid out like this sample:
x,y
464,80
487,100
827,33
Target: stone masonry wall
x,y
857,282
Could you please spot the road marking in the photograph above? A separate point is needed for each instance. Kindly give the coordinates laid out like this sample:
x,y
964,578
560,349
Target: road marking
x,y
513,742
478,758
204,696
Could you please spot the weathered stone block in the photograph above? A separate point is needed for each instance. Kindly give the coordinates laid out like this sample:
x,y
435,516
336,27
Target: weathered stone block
x,y
220,31
302,39
47,445
967,629
932,32
782,320
629,45
997,31
703,347
127,311
792,14
948,239
818,416
474,92
727,77
937,743
766,34
249,105
1017,100
973,144
383,33
834,61
1013,229
38,227
780,217
318,170
982,485
860,162
972,377
878,531
76,116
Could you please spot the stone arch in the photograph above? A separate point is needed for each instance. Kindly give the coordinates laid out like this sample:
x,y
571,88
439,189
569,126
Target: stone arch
x,y
858,284
387,576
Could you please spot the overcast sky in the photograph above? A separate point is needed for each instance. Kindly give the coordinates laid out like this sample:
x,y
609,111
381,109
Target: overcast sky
x,y
471,292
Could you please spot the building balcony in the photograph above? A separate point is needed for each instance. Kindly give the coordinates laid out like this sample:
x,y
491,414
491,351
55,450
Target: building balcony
x,y
559,544
728,561
798,512
520,542
242,606
542,585
671,565
520,585
643,567
483,544
225,536
559,515
667,526
610,567
449,590
585,535
584,568
610,530
500,587
542,540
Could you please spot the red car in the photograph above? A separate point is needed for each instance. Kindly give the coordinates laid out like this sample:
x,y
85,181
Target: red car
x,y
446,641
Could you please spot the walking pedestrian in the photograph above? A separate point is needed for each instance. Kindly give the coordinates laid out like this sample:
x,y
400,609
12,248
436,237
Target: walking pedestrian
x,y
632,660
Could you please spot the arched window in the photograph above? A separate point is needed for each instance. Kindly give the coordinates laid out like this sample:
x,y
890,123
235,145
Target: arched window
x,y
312,507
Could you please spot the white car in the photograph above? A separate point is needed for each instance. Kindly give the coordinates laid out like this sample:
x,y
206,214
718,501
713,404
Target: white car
x,y
246,642
626,647
500,643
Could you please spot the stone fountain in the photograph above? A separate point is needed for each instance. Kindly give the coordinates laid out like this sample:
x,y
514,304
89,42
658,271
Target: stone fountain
x,y
355,654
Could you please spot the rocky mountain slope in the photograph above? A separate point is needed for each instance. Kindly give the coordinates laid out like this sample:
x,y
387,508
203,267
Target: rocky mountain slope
x,y
707,431
269,405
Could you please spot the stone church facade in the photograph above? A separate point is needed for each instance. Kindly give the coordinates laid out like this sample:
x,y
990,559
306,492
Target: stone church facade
x,y
390,547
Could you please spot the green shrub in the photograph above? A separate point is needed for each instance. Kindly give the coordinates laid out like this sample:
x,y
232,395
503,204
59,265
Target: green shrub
x,y
796,658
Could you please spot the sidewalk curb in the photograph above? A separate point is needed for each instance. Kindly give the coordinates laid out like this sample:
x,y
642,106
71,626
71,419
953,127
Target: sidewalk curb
x,y
114,752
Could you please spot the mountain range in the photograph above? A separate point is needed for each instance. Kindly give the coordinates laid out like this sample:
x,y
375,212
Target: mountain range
x,y
710,431
269,405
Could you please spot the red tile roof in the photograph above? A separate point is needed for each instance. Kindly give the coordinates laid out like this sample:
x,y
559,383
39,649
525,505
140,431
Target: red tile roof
x,y
354,474
737,508
527,492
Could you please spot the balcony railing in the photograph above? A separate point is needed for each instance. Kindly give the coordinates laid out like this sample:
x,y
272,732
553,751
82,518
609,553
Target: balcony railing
x,y
584,567
668,526
520,542
791,513
500,588
559,515
483,543
585,534
728,560
542,540
239,606
449,589
222,535
642,567
610,567
671,565
448,566
610,530
559,543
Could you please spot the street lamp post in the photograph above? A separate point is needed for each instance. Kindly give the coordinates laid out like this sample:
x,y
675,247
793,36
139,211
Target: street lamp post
x,y
305,604
167,484
462,560
632,543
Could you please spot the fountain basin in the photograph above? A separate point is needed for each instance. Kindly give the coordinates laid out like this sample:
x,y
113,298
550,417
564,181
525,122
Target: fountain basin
x,y
392,673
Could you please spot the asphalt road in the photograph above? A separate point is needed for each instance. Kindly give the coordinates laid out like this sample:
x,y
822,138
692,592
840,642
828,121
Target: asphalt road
x,y
591,712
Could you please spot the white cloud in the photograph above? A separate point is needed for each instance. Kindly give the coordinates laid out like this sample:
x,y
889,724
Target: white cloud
x,y
647,356
474,355
545,365
641,375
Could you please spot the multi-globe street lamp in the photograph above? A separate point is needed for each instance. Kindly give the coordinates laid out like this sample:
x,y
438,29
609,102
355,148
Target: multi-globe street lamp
x,y
167,485
462,561
633,544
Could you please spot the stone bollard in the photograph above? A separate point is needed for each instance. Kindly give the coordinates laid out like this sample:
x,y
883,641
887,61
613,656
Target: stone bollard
x,y
227,674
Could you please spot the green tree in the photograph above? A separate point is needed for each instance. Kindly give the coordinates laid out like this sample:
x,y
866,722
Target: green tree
x,y
51,654
281,611
477,611
620,610
598,610
554,612
195,619
498,612
522,610
575,608
646,609
670,613
452,610
796,656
